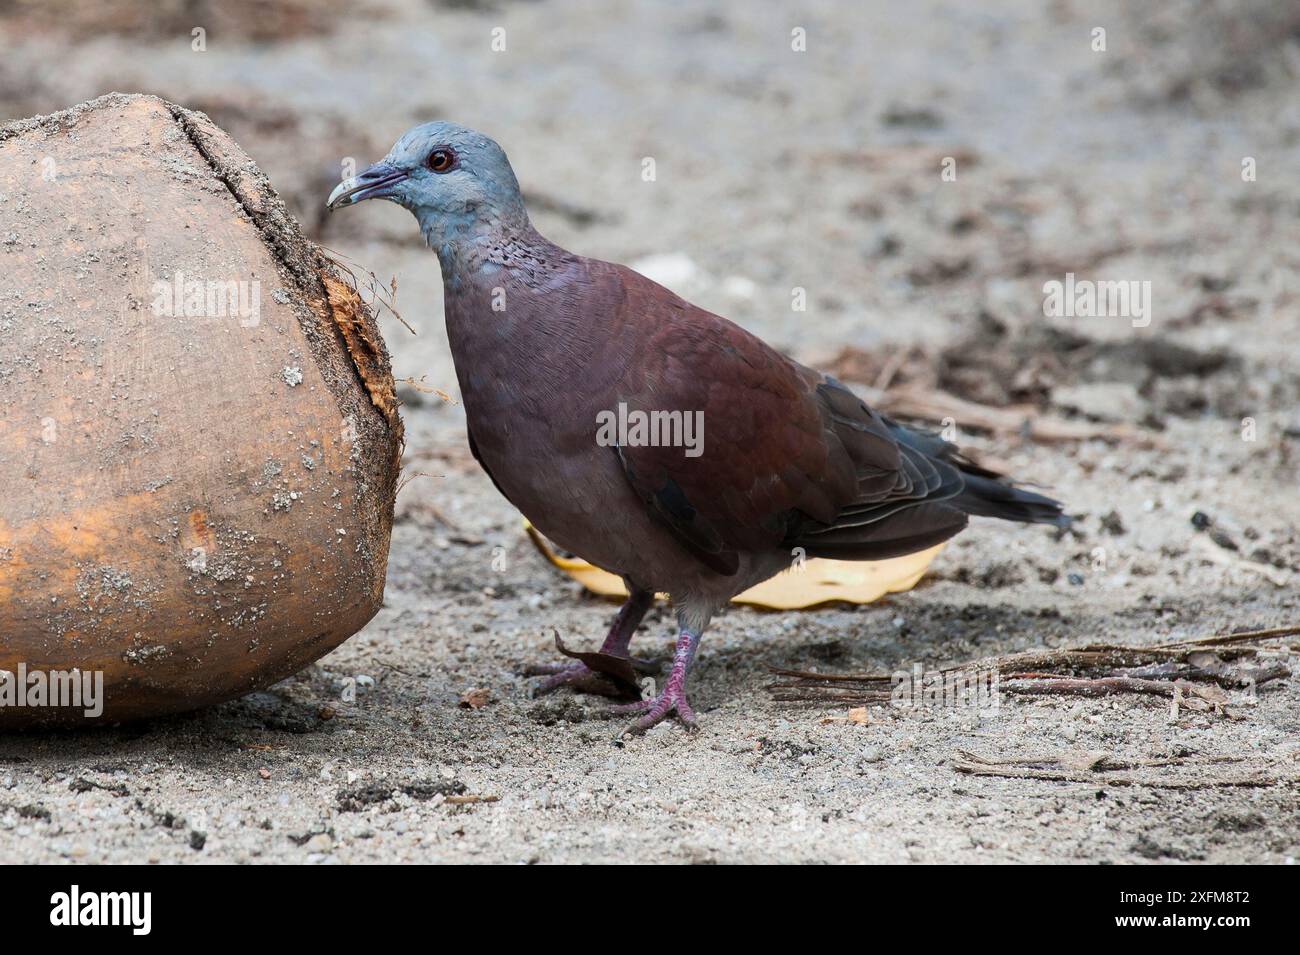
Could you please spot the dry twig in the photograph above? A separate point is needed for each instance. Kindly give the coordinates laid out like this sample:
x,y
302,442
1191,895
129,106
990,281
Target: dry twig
x,y
1195,668
1100,768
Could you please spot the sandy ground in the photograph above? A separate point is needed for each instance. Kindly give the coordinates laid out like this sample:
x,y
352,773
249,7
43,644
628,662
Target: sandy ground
x,y
776,170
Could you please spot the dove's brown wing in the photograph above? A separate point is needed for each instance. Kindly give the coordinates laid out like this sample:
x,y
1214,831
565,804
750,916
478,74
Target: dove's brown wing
x,y
790,458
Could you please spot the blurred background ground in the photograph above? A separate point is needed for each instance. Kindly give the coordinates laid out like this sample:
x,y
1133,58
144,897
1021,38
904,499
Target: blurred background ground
x,y
776,169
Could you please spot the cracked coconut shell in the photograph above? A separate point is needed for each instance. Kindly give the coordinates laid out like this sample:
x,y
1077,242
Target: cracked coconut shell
x,y
199,437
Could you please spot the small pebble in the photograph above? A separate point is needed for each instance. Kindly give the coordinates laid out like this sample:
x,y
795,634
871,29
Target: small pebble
x,y
1222,538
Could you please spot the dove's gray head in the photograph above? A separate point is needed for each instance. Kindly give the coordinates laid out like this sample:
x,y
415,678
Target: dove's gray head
x,y
455,181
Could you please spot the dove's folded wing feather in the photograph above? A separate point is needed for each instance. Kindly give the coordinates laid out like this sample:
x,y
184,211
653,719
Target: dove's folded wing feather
x,y
789,457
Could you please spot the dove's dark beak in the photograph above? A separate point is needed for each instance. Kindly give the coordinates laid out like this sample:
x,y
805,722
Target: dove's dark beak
x,y
374,183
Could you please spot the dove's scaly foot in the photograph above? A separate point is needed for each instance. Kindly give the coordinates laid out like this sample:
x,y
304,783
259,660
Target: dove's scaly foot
x,y
672,699
611,671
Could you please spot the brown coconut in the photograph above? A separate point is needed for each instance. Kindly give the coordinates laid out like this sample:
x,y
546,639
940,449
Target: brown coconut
x,y
194,500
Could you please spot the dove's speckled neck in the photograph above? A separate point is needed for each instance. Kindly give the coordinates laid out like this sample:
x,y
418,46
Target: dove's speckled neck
x,y
485,256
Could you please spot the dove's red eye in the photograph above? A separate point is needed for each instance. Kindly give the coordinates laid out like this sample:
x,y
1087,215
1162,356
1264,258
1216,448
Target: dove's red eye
x,y
442,159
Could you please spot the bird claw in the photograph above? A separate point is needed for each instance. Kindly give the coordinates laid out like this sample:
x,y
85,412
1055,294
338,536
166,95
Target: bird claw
x,y
671,700
600,673
579,676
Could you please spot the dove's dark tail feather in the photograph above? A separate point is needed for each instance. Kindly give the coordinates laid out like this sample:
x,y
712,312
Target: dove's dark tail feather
x,y
984,497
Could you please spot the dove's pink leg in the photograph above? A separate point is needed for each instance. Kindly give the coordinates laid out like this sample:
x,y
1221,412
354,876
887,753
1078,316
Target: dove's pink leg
x,y
672,699
582,677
